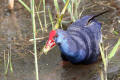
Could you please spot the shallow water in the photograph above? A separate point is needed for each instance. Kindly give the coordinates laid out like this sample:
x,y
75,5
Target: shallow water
x,y
16,31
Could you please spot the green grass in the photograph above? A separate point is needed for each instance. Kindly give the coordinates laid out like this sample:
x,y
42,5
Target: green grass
x,y
60,16
44,9
106,57
32,12
39,19
114,50
51,18
8,61
34,37
105,63
25,5
57,7
73,9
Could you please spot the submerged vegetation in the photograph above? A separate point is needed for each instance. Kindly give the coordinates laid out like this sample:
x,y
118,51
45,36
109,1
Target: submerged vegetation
x,y
71,8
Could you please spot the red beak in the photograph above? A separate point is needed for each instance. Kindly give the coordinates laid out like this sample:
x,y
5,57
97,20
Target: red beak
x,y
50,43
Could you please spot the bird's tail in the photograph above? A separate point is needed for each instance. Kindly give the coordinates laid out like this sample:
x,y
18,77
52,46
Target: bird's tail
x,y
93,17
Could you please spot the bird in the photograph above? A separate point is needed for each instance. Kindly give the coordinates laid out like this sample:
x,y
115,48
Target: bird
x,y
80,42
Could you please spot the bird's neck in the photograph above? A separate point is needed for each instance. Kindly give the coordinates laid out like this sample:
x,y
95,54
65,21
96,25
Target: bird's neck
x,y
72,52
68,47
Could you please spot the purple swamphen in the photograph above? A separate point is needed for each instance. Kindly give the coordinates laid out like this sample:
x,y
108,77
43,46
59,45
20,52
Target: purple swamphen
x,y
80,42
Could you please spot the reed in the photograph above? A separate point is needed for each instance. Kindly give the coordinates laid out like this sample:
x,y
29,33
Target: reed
x,y
44,9
25,5
8,61
73,9
114,50
39,19
60,16
105,63
34,37
57,7
32,12
51,18
106,57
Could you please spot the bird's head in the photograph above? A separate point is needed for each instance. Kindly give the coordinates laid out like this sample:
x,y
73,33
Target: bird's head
x,y
51,42
55,36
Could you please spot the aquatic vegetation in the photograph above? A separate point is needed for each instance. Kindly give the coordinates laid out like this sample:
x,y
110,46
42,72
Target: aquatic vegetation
x,y
32,11
106,57
8,61
114,50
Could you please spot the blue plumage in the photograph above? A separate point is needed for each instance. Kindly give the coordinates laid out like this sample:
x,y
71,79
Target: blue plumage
x,y
80,42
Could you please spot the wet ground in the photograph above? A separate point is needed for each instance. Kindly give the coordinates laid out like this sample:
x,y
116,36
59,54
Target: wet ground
x,y
16,31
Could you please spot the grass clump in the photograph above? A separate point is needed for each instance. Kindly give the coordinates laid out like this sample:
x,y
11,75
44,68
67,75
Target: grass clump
x,y
106,57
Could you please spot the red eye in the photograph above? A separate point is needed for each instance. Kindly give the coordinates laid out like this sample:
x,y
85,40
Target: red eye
x,y
56,36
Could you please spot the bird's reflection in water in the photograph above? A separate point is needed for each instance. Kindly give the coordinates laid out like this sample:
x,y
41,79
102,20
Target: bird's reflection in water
x,y
80,72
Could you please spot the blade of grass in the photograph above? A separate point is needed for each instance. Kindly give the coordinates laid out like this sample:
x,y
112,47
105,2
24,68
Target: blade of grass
x,y
7,65
81,12
40,23
103,55
44,15
57,6
76,12
61,15
9,62
115,32
11,67
39,4
101,75
65,7
105,61
50,16
70,10
25,5
77,2
114,50
69,7
34,34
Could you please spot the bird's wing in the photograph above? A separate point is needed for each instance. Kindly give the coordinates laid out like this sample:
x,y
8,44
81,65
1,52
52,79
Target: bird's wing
x,y
95,27
80,22
88,36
